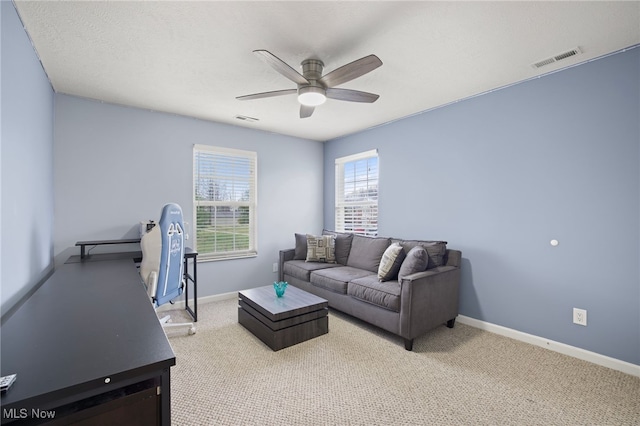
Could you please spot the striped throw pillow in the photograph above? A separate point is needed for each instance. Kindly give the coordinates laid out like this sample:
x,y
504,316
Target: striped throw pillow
x,y
391,262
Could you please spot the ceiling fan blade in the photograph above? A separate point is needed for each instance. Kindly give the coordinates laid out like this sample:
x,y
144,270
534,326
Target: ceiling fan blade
x,y
306,111
351,71
351,95
267,94
281,66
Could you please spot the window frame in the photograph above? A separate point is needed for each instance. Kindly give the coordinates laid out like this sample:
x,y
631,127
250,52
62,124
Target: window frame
x,y
339,198
252,203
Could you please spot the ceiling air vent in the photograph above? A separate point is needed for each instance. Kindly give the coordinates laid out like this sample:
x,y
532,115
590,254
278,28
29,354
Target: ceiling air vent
x,y
245,118
559,57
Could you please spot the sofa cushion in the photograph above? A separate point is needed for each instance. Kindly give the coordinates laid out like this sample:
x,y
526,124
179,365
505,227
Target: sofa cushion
x,y
301,269
390,263
301,247
366,252
416,261
436,250
336,279
321,248
343,245
369,289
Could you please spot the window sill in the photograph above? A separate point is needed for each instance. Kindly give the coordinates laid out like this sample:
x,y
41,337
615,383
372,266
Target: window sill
x,y
204,258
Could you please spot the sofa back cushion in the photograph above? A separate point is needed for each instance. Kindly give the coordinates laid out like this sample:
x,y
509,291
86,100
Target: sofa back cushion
x,y
436,250
366,252
343,245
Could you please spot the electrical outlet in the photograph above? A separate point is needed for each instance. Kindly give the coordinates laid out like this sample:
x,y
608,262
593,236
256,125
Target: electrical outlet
x,y
580,316
275,267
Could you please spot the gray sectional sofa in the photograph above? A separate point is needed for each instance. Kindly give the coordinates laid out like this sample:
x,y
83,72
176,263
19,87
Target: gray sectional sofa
x,y
414,291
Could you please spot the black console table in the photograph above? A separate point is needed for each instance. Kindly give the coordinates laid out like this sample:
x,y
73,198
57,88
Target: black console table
x,y
87,347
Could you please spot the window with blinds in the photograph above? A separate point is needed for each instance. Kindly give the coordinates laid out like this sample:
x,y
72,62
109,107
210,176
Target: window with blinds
x,y
357,193
224,202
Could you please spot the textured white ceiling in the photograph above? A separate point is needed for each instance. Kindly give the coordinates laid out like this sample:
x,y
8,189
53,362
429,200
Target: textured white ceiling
x,y
194,58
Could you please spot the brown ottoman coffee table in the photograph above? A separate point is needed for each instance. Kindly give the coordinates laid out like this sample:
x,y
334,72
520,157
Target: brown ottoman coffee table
x,y
284,321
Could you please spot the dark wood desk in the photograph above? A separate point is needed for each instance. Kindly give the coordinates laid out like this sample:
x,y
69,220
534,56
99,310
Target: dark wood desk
x,y
87,345
136,256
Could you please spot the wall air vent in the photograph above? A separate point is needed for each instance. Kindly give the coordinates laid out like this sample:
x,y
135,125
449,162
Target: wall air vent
x,y
559,57
245,118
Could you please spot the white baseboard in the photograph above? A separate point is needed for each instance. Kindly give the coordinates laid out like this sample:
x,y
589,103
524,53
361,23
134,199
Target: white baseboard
x,y
605,361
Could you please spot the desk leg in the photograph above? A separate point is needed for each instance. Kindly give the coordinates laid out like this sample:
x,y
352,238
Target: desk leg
x,y
195,290
165,398
194,280
185,277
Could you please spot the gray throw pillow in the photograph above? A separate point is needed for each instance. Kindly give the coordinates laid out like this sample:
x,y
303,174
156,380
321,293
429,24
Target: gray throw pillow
x,y
390,263
343,245
416,261
321,249
301,247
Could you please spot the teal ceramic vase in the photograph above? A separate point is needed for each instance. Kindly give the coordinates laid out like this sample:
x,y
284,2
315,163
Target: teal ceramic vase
x,y
280,287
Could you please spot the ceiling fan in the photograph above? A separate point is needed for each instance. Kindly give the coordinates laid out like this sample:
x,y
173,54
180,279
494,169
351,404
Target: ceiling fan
x,y
314,88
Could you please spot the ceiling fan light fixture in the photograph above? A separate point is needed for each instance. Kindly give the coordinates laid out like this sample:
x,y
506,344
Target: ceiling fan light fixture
x,y
311,96
313,88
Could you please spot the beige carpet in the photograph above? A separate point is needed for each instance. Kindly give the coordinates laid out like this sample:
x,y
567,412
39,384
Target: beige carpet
x,y
359,375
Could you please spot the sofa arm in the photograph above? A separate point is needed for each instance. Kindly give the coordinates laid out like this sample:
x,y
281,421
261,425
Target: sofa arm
x,y
428,299
285,255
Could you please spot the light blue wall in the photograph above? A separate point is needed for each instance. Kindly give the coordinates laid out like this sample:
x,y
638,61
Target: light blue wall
x,y
27,164
116,166
500,175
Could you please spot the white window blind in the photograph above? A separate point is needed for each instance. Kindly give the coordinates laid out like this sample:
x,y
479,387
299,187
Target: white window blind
x,y
357,193
224,202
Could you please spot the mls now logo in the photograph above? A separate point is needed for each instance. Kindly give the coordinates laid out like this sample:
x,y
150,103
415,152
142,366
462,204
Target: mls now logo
x,y
23,413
